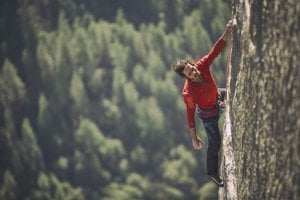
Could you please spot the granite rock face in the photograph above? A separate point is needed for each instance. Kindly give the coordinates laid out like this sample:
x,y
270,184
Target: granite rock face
x,y
264,101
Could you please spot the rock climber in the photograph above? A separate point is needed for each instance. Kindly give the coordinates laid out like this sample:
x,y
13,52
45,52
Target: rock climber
x,y
201,94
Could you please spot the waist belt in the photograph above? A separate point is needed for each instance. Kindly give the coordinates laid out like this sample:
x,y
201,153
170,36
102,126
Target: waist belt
x,y
206,113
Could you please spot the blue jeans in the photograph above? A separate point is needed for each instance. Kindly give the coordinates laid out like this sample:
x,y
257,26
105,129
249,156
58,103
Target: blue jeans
x,y
214,143
214,139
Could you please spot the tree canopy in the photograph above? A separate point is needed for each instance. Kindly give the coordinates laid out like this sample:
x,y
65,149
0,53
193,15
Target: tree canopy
x,y
89,106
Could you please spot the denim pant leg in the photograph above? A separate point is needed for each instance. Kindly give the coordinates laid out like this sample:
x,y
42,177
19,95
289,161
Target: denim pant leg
x,y
214,143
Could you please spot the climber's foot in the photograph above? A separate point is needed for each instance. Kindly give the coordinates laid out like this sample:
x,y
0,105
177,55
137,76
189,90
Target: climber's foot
x,y
215,178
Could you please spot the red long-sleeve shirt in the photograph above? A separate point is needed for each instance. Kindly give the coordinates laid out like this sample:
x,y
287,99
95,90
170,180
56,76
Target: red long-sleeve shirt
x,y
204,94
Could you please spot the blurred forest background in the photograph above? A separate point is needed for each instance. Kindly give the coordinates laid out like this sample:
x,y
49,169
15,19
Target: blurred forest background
x,y
89,106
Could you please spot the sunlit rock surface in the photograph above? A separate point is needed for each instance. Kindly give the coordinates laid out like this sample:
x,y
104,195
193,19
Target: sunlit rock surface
x,y
261,138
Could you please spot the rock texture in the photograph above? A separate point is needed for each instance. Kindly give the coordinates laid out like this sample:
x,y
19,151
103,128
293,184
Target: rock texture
x,y
263,121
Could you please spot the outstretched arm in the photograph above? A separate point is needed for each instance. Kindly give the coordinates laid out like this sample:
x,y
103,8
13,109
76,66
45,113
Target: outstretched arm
x,y
227,30
218,47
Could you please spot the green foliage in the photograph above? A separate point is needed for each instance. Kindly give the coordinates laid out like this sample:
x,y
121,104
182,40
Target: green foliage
x,y
96,81
43,116
50,187
27,155
9,187
139,48
12,88
197,40
150,118
88,170
9,129
121,191
141,80
165,91
29,146
98,156
88,137
77,93
161,191
173,11
112,111
113,155
119,79
119,55
214,14
138,156
155,66
63,163
54,70
138,181
208,191
131,95
178,169
88,98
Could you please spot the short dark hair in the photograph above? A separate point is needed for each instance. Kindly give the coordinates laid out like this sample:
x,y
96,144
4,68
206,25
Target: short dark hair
x,y
179,66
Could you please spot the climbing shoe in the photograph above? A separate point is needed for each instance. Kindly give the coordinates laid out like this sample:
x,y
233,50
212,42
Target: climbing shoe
x,y
215,178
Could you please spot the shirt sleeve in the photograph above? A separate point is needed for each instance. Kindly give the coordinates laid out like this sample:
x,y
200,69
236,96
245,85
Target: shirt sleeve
x,y
190,111
214,52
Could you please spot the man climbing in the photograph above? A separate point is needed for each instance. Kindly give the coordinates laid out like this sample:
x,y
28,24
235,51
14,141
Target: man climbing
x,y
201,94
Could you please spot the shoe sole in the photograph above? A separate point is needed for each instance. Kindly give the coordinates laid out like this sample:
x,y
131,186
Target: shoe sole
x,y
216,182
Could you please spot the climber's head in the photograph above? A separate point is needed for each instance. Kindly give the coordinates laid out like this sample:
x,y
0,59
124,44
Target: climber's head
x,y
188,69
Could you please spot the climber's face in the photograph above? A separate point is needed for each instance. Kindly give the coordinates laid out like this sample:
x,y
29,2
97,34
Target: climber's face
x,y
191,72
